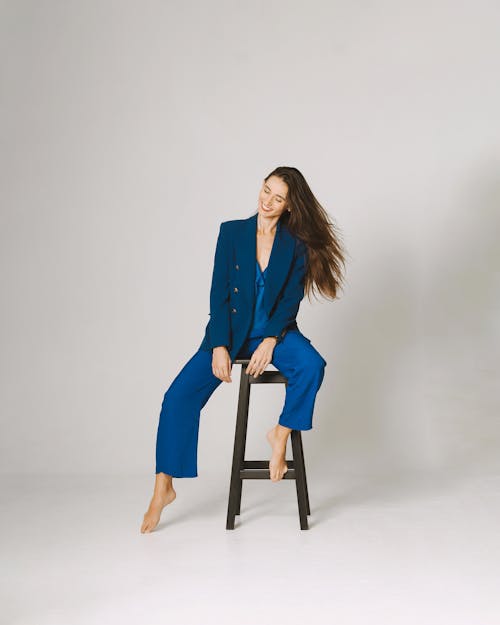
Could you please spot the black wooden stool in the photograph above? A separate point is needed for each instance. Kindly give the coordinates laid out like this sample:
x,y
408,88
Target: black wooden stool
x,y
259,469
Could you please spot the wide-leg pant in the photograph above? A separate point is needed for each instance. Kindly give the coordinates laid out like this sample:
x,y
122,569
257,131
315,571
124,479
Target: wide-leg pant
x,y
177,435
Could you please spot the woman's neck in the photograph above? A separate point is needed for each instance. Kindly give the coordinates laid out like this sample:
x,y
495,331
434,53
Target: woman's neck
x,y
266,226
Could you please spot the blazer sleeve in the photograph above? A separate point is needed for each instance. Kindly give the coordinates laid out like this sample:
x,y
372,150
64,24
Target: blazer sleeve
x,y
288,304
219,324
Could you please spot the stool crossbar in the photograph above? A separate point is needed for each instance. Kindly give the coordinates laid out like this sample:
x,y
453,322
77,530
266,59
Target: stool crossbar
x,y
259,469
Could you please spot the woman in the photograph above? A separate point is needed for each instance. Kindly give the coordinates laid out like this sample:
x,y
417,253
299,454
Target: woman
x,y
288,246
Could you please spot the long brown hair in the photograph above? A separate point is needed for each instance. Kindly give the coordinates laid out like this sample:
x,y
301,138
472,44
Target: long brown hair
x,y
309,221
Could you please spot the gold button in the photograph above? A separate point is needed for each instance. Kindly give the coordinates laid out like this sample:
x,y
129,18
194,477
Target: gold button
x,y
234,309
237,266
236,289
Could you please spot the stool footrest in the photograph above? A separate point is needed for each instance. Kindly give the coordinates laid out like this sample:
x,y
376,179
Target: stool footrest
x,y
259,470
264,464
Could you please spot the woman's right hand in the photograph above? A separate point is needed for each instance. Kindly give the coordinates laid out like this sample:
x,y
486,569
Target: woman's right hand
x,y
221,363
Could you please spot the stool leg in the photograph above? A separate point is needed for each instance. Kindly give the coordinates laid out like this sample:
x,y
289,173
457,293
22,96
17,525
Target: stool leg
x,y
238,498
301,449
300,484
233,506
239,483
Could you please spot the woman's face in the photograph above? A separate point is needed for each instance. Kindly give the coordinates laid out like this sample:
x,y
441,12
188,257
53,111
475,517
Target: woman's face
x,y
272,197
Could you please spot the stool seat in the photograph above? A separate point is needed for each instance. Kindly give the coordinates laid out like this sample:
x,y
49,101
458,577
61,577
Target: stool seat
x,y
259,469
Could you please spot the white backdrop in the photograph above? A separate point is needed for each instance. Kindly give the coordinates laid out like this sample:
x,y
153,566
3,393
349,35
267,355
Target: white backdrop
x,y
131,130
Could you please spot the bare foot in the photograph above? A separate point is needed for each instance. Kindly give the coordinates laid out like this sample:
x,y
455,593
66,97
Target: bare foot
x,y
158,502
277,438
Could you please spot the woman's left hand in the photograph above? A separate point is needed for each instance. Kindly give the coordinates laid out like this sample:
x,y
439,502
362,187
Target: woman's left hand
x,y
261,357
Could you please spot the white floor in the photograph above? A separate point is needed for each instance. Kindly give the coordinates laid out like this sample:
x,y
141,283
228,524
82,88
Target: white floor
x,y
410,551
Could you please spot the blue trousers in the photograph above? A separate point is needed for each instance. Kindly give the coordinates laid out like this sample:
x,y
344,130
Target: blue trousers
x,y
177,435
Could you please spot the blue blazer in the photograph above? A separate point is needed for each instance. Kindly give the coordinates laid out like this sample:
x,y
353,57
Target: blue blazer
x,y
232,294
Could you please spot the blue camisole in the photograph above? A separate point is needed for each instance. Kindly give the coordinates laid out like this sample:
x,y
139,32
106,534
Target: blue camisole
x,y
260,318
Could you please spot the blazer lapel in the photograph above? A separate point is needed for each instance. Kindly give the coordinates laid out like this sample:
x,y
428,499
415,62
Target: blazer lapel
x,y
279,261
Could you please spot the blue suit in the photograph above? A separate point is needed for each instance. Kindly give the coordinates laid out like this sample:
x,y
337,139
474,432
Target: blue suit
x,y
232,293
242,313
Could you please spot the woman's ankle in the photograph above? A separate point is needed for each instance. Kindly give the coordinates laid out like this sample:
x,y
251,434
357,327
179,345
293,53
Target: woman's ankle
x,y
163,482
